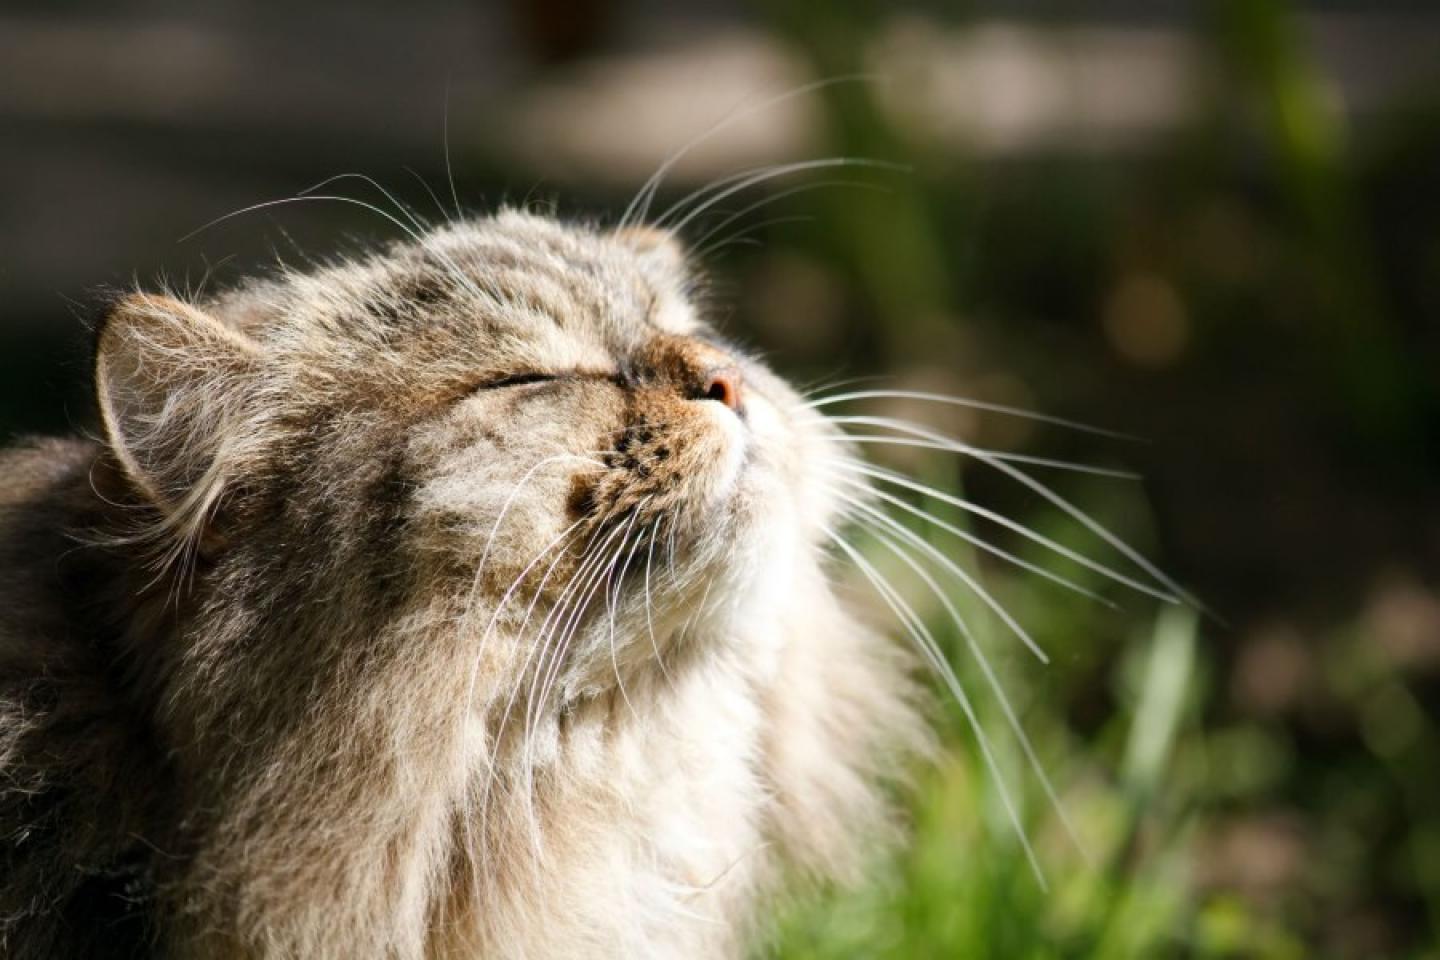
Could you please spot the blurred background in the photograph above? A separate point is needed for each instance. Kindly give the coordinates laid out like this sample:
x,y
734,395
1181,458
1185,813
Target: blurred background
x,y
1212,225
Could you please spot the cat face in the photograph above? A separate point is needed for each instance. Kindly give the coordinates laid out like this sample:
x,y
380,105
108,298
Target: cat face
x,y
523,428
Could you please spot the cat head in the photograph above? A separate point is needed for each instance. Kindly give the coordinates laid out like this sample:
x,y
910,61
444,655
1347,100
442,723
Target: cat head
x,y
521,428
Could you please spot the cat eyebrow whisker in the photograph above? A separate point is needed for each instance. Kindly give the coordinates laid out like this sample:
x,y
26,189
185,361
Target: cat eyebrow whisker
x,y
930,650
445,143
400,208
729,186
744,235
434,197
702,251
421,226
639,206
452,268
304,198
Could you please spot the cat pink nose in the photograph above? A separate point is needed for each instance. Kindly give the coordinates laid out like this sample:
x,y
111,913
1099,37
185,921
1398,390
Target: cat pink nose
x,y
723,384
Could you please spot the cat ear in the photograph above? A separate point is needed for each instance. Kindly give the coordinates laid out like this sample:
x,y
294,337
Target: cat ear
x,y
169,379
655,244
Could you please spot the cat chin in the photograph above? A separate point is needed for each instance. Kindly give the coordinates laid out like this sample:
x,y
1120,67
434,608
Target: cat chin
x,y
725,473
760,570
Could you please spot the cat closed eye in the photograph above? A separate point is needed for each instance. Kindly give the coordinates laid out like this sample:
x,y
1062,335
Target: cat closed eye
x,y
516,380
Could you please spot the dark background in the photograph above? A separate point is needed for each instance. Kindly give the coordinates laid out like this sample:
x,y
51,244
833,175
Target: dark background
x,y
1212,225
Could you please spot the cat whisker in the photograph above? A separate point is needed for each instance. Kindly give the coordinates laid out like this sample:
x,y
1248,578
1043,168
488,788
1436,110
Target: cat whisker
x,y
1097,528
1045,491
510,502
672,567
505,598
561,636
695,612
816,388
898,479
975,541
930,650
565,611
1071,466
649,619
879,517
976,651
563,629
589,553
553,546
506,713
700,192
614,582
986,406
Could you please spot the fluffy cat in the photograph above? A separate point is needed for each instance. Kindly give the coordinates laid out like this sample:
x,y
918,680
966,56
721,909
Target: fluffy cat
x,y
468,600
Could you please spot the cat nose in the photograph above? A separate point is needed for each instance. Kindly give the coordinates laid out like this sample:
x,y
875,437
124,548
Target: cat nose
x,y
695,369
723,385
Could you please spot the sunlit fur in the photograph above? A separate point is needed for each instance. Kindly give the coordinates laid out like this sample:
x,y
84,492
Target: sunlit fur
x,y
429,606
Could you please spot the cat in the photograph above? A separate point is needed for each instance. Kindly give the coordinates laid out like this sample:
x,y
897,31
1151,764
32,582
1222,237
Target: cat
x,y
468,599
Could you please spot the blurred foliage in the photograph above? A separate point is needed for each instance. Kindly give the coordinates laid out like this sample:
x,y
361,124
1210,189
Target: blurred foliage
x,y
1259,294
1267,789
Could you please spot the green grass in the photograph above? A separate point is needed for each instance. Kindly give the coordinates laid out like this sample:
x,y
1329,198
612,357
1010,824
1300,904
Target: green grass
x,y
963,887
1266,789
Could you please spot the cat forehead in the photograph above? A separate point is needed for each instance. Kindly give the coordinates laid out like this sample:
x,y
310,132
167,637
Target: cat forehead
x,y
509,274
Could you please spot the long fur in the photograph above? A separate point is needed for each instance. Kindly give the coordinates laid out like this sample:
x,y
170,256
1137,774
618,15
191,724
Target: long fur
x,y
429,606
